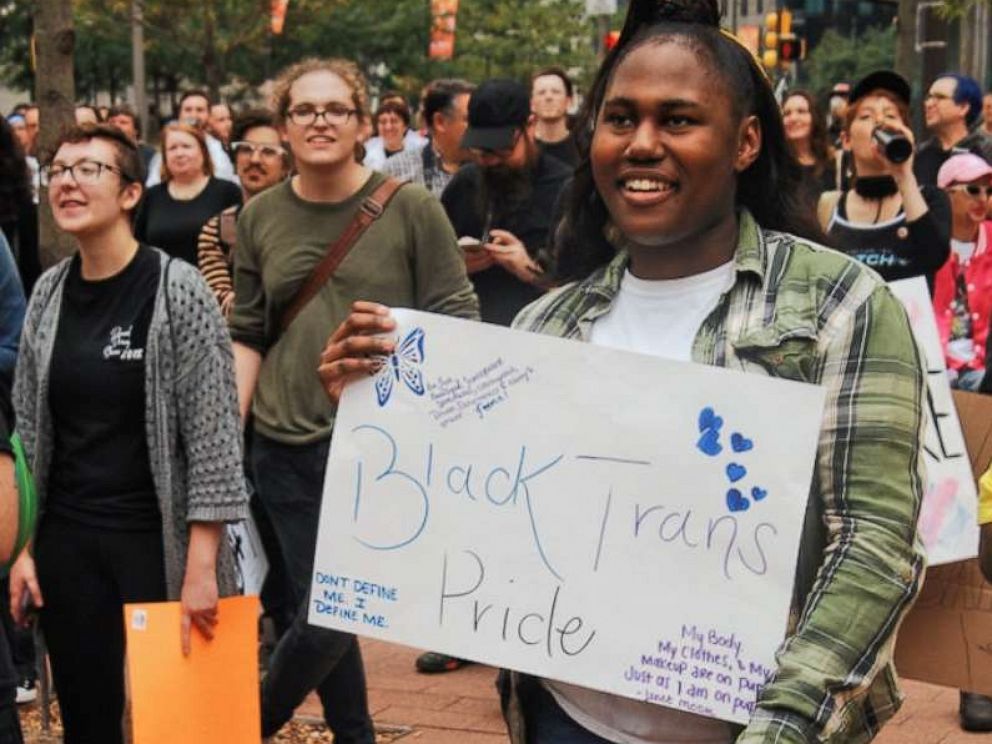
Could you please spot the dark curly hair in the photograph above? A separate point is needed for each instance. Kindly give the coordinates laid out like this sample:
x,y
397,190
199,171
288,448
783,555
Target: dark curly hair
x,y
770,188
15,176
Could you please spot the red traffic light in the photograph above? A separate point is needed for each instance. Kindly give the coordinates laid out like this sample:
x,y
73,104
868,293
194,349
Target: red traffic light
x,y
610,40
790,49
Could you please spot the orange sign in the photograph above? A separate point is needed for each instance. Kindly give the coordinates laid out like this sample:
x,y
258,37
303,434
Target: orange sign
x,y
210,695
443,15
278,10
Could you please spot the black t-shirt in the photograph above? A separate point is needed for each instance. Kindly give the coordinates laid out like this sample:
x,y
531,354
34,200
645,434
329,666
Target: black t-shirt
x,y
931,155
174,225
100,474
564,150
501,294
898,249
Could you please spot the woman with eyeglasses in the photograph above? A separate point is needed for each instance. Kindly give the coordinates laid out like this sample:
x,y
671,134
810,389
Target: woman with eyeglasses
x,y
962,293
407,257
886,220
174,211
126,404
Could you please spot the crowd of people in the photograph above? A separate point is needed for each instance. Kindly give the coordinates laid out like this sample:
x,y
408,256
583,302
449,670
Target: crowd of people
x,y
182,369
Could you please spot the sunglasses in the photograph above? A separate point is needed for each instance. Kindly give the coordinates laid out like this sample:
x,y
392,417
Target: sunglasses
x,y
973,190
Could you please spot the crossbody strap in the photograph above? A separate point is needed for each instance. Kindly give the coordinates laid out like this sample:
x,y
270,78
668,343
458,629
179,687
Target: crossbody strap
x,y
369,211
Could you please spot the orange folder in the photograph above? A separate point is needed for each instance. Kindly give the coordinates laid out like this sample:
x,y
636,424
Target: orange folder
x,y
206,697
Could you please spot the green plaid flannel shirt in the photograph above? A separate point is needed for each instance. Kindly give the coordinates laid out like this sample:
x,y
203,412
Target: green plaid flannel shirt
x,y
803,312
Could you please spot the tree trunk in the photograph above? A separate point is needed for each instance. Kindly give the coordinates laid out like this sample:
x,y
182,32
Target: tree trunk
x,y
55,41
907,60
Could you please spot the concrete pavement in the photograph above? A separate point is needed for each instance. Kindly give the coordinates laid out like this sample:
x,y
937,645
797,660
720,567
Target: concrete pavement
x,y
462,707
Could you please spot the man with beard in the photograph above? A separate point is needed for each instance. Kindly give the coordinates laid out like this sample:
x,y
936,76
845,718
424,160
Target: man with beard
x,y
503,205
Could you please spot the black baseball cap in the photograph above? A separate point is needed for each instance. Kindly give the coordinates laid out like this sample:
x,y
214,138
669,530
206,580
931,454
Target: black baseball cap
x,y
882,80
496,111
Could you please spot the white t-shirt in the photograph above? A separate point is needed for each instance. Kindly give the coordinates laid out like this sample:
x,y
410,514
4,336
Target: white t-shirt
x,y
223,168
963,249
660,318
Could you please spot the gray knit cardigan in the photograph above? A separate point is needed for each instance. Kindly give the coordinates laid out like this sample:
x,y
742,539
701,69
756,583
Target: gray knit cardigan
x,y
191,409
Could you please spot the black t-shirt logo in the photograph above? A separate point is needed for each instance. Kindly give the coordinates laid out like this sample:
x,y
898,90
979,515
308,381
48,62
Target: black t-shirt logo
x,y
120,346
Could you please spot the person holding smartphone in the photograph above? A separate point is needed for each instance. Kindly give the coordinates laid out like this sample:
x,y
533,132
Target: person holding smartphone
x,y
886,219
126,404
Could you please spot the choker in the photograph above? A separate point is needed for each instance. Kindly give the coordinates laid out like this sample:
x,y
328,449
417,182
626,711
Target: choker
x,y
875,187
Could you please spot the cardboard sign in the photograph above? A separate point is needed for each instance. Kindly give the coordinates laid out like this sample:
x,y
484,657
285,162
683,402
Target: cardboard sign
x,y
608,519
947,637
948,518
210,695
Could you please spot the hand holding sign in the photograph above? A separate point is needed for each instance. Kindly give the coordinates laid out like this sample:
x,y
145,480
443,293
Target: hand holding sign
x,y
356,348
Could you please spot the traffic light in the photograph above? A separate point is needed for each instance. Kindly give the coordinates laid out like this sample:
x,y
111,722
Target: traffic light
x,y
610,40
769,41
791,49
790,46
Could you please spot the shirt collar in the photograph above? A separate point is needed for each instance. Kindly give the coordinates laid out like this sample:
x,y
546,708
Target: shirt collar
x,y
749,258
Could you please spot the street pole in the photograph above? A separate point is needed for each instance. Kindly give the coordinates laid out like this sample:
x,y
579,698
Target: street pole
x,y
138,64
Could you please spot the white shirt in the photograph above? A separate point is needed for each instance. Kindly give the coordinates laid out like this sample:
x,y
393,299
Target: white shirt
x,y
660,318
963,249
375,148
218,156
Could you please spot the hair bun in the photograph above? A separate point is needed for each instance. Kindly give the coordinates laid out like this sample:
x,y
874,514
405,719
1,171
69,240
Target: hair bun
x,y
643,13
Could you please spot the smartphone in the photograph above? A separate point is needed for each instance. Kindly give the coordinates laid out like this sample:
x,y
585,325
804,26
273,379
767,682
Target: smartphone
x,y
470,244
28,609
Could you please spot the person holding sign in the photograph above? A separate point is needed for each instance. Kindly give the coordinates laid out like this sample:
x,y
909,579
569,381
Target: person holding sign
x,y
682,239
126,404
307,248
886,219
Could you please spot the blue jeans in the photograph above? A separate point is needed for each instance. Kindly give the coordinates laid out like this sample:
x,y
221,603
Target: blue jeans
x,y
547,723
290,480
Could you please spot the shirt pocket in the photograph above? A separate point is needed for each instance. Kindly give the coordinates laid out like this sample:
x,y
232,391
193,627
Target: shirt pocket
x,y
790,353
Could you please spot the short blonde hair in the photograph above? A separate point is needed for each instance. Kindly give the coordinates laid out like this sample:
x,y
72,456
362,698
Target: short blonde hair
x,y
201,140
346,70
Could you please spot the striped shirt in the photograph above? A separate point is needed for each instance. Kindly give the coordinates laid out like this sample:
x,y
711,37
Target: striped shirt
x,y
215,254
803,312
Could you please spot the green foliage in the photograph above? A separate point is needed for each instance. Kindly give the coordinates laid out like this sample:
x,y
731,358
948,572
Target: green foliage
x,y
849,58
214,42
952,9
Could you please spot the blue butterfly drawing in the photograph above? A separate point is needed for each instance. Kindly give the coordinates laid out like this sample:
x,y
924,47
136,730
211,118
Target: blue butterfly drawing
x,y
403,364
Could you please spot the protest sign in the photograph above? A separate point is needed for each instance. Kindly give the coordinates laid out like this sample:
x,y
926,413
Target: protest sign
x,y
250,562
948,516
947,637
210,695
609,519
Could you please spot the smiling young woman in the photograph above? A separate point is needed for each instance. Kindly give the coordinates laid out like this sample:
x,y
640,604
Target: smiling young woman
x,y
126,405
408,256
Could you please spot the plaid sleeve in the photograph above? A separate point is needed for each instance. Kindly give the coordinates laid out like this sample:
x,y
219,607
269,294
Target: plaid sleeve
x,y
870,482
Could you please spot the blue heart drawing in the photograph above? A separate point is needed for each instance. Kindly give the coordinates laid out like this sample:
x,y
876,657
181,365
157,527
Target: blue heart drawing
x,y
735,472
740,443
709,443
736,501
708,420
758,493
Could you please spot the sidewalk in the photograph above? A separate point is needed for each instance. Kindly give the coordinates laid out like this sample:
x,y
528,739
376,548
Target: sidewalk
x,y
462,707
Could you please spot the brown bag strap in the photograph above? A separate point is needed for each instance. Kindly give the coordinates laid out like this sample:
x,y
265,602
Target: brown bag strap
x,y
369,211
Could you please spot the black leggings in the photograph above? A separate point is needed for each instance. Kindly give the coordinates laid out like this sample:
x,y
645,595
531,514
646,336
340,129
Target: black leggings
x,y
86,575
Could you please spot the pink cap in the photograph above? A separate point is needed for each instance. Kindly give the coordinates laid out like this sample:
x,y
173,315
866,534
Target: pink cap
x,y
963,168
